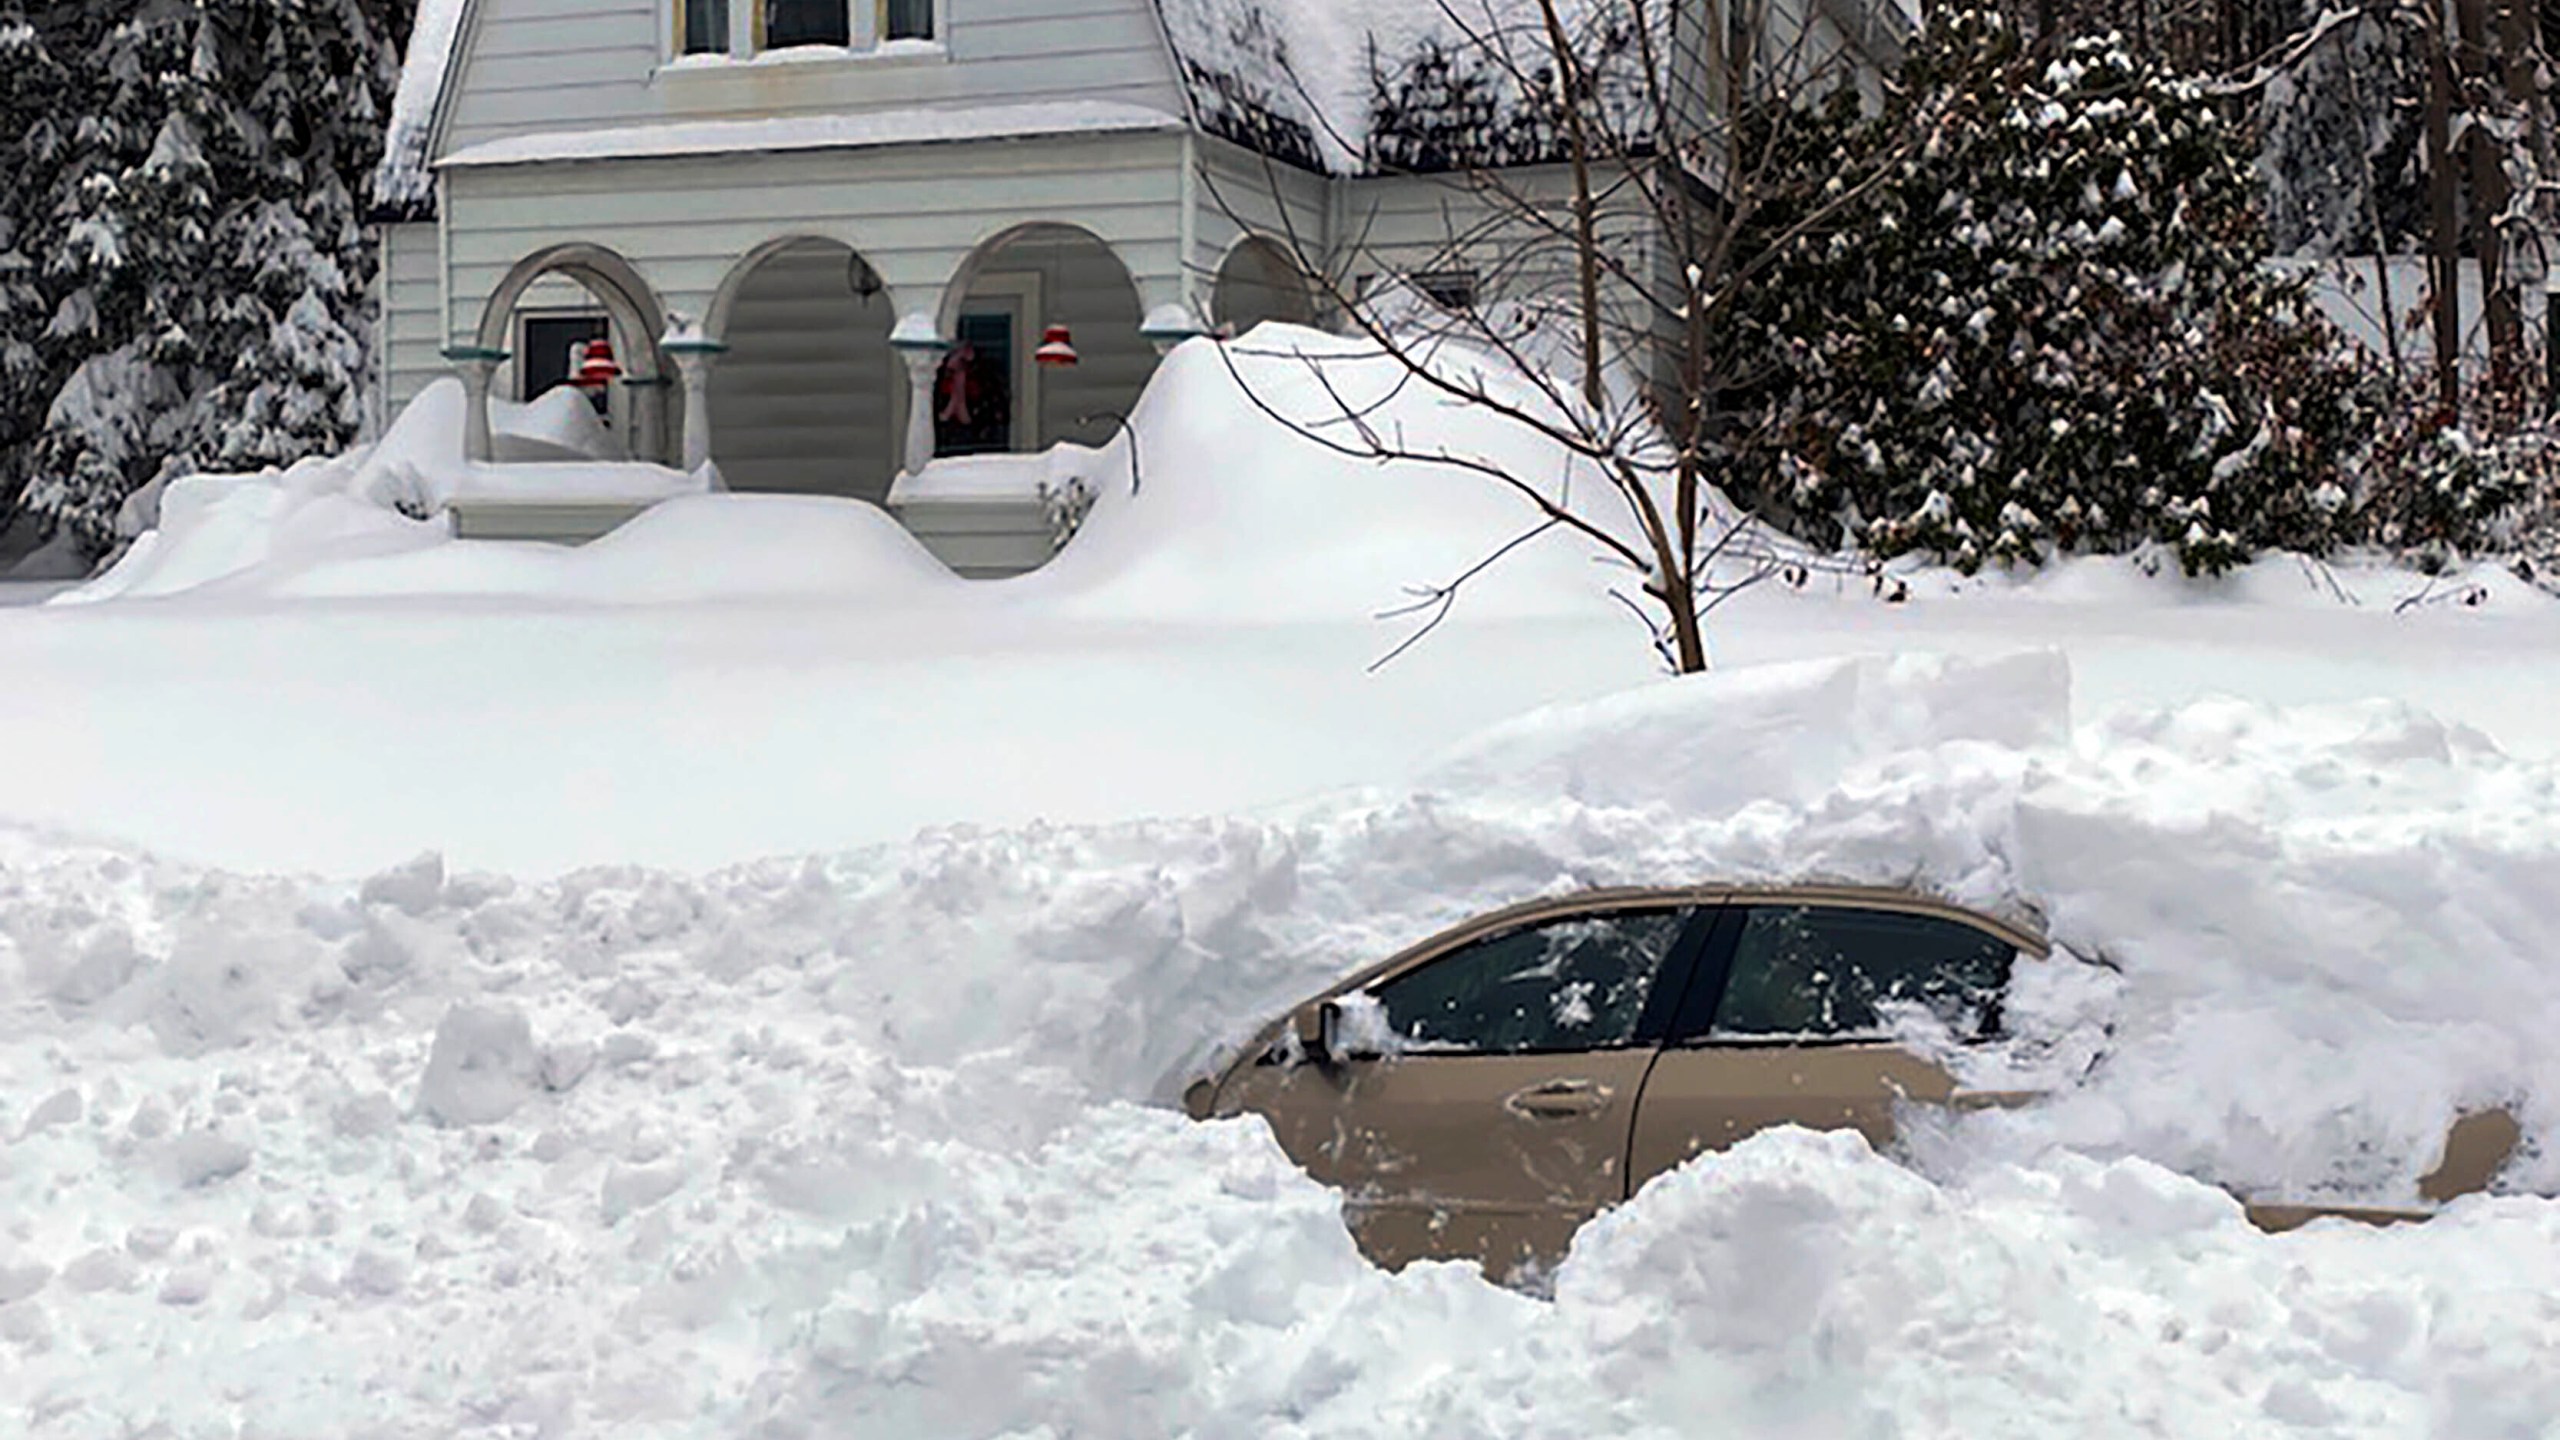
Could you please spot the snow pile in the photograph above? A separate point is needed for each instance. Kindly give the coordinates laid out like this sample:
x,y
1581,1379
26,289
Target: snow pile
x,y
262,534
697,548
1240,506
558,426
856,1145
1222,504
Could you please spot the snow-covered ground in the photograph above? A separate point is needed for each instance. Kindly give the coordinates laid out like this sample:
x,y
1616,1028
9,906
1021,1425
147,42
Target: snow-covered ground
x,y
689,1090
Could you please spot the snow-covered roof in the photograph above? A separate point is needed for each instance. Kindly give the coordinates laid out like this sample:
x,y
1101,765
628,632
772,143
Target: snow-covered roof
x,y
1353,86
403,186
1347,86
820,132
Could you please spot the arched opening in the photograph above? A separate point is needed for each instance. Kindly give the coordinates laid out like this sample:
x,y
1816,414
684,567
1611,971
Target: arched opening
x,y
550,308
990,395
807,399
1258,282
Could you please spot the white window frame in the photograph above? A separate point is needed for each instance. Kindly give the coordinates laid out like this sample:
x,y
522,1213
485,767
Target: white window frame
x,y
866,22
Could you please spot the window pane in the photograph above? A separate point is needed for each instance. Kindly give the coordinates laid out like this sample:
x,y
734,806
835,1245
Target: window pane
x,y
1829,971
706,27
806,22
548,348
1577,984
906,19
1449,289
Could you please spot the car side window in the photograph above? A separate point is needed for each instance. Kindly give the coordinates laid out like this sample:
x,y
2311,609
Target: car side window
x,y
1560,985
1831,972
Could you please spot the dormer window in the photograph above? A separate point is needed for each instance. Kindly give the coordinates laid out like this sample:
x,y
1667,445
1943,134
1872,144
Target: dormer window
x,y
702,27
906,19
710,28
807,22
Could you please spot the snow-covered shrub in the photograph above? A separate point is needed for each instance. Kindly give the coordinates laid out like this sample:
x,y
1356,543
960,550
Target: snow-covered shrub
x,y
2438,491
2043,328
1063,506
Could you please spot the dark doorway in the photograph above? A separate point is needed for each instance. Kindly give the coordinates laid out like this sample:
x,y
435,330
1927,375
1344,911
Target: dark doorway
x,y
973,395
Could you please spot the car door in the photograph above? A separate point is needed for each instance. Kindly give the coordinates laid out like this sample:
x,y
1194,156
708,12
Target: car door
x,y
1490,1114
1788,1023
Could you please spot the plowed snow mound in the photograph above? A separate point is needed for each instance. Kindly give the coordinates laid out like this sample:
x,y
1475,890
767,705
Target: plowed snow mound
x,y
859,1146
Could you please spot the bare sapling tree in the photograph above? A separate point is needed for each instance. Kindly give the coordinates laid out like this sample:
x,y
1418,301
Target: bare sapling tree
x,y
1599,168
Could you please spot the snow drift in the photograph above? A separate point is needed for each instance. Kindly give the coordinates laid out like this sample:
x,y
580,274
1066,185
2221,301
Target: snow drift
x,y
1222,503
870,1144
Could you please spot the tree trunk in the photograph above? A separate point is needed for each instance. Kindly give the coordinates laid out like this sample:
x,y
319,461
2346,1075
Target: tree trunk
x,y
2489,194
1586,225
2520,42
2445,204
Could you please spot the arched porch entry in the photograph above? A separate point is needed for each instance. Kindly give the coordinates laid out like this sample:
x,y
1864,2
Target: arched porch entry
x,y
545,300
808,394
989,395
1258,281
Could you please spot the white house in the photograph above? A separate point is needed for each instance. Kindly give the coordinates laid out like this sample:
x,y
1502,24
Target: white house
x,y
826,237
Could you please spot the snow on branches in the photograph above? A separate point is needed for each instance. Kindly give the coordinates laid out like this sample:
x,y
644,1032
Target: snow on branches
x,y
2051,332
184,272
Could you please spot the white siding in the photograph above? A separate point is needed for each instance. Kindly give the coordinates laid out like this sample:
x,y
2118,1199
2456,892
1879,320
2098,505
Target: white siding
x,y
914,213
411,341
806,400
1239,195
536,65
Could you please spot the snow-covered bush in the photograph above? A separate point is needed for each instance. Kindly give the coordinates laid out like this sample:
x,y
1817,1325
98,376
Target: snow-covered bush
x,y
2043,327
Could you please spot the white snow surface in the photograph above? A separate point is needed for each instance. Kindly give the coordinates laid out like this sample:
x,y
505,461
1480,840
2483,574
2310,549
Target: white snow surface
x,y
929,125
727,979
872,1144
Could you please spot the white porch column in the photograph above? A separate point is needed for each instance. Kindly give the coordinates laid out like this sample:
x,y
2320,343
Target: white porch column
x,y
648,438
476,365
693,352
918,341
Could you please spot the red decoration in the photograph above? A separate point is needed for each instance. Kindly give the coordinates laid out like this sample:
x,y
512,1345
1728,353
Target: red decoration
x,y
1057,347
597,368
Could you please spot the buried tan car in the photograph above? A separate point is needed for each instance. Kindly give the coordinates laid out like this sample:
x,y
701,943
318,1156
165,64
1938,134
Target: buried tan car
x,y
1483,1093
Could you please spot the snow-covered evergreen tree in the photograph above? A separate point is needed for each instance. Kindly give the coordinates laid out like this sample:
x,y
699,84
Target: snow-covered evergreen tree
x,y
2048,330
204,262
32,142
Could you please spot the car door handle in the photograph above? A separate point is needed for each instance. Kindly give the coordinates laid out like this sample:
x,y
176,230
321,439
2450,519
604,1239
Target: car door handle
x,y
1559,1099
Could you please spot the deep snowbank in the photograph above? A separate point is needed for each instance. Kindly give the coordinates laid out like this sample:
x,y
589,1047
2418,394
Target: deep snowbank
x,y
852,1146
1222,504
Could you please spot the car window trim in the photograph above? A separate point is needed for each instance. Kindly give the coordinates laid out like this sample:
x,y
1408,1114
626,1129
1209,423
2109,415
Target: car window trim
x,y
1719,931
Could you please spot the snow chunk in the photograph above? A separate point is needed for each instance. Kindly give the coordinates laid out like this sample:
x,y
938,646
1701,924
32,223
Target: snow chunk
x,y
202,1157
415,888
482,1068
